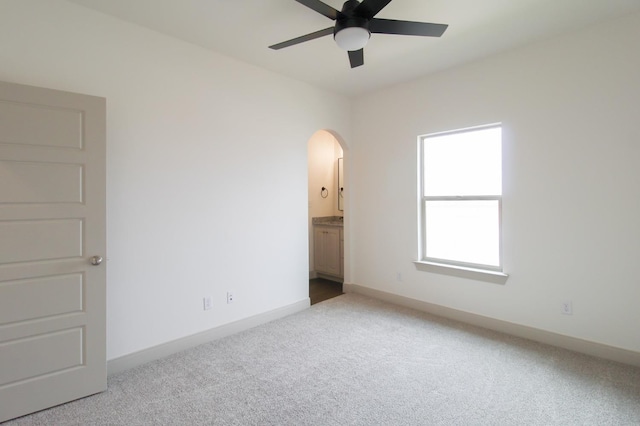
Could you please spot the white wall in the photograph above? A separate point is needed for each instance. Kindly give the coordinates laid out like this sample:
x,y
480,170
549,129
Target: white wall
x,y
200,147
207,167
569,108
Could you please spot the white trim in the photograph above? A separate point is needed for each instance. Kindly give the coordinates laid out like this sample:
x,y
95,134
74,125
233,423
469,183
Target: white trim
x,y
463,130
497,277
144,356
588,347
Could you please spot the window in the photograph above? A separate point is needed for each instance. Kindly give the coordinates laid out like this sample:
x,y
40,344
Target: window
x,y
461,198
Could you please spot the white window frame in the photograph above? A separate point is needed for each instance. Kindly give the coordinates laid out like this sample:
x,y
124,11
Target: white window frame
x,y
422,199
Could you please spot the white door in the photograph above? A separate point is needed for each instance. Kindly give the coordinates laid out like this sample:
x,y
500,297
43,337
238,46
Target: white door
x,y
52,222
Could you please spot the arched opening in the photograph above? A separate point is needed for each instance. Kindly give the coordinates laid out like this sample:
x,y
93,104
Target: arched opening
x,y
327,197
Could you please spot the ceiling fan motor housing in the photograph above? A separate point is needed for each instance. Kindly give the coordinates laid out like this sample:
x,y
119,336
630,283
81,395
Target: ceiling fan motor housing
x,y
347,19
350,22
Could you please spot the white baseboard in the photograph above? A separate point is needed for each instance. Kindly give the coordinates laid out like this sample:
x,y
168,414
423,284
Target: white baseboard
x,y
144,356
567,342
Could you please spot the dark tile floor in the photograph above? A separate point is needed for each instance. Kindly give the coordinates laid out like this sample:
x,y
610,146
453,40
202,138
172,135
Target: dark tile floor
x,y
321,289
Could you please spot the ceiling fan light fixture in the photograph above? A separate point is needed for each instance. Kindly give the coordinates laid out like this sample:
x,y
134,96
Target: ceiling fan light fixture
x,y
352,38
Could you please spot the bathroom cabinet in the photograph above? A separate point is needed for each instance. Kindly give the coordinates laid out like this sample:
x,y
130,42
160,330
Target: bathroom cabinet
x,y
328,252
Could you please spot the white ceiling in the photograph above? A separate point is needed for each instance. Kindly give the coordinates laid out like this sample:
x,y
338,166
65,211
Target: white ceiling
x,y
243,29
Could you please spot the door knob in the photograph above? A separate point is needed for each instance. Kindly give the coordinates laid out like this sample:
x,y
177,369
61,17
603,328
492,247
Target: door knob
x,y
96,260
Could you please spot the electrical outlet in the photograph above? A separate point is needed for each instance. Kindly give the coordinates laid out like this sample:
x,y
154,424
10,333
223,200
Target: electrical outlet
x,y
230,297
207,303
566,308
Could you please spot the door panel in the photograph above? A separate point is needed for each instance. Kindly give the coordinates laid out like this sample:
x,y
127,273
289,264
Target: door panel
x,y
52,220
40,355
37,240
40,297
24,182
46,125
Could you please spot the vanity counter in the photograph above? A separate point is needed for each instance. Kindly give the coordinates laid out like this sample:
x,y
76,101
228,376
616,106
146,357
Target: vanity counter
x,y
328,221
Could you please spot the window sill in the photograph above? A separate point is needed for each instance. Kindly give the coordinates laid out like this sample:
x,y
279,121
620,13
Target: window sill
x,y
495,277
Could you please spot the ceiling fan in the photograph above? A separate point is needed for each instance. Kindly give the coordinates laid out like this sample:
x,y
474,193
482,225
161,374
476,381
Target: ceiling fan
x,y
355,23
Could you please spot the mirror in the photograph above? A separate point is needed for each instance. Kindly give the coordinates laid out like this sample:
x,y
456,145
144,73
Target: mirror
x,y
340,185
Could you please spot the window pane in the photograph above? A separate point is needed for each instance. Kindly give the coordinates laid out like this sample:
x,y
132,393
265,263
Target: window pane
x,y
465,163
463,231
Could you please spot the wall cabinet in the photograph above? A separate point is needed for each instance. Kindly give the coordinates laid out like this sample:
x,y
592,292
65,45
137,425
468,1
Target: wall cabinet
x,y
328,253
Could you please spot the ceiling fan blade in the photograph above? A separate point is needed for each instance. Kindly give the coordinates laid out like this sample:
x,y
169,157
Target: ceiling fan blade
x,y
356,58
390,26
370,8
321,8
302,39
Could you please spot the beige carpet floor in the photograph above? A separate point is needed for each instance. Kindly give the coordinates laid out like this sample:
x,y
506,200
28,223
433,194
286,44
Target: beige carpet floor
x,y
352,360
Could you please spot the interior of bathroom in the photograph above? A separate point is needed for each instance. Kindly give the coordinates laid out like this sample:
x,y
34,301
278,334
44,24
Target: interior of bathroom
x,y
326,212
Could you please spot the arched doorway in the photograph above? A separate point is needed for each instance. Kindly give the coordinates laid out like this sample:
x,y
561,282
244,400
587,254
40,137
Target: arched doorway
x,y
327,207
